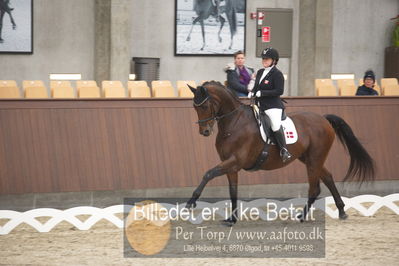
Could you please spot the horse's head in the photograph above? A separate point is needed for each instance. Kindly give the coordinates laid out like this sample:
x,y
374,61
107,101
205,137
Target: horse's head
x,y
207,109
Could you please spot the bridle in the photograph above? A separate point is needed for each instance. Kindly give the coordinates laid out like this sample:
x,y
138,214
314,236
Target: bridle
x,y
214,116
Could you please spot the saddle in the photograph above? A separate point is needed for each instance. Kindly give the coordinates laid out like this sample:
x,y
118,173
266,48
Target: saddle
x,y
264,124
266,131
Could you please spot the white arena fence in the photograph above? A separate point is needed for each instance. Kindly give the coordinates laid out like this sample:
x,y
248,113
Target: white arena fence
x,y
96,214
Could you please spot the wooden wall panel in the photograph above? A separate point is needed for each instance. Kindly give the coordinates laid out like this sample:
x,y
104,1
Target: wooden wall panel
x,y
84,145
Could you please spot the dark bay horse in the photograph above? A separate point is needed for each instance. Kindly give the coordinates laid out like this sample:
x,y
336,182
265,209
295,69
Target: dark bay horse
x,y
5,8
239,143
205,9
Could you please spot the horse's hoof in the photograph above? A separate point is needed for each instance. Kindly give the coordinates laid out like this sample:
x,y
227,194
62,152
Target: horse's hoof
x,y
343,216
228,222
1,40
188,39
220,39
300,217
14,27
202,49
191,205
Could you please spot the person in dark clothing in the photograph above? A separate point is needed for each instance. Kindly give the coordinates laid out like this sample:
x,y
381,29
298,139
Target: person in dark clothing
x,y
269,85
240,78
367,87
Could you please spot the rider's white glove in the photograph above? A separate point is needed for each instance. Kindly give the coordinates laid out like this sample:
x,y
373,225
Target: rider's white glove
x,y
250,95
258,94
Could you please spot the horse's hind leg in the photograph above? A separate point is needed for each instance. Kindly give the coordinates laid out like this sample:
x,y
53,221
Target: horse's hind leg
x,y
231,40
329,182
314,189
232,33
222,21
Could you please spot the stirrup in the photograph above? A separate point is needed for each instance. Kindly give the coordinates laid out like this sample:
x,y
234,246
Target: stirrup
x,y
285,155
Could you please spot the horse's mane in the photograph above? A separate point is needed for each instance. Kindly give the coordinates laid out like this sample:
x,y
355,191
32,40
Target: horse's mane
x,y
222,87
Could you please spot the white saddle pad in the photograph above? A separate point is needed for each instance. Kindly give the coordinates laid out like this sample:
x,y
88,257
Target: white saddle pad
x,y
291,135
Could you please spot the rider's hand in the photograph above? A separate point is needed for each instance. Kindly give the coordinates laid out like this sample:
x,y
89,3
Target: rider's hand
x,y
258,94
250,95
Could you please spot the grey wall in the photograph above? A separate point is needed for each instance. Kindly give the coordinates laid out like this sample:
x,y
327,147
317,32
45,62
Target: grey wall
x,y
153,36
361,31
63,42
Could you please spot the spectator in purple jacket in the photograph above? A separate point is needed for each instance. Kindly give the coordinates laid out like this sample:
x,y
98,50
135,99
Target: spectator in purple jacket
x,y
239,76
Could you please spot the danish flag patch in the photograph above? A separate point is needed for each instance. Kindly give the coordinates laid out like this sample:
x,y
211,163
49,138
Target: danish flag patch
x,y
289,135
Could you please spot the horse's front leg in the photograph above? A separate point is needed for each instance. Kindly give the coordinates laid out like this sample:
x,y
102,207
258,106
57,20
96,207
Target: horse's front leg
x,y
192,26
233,184
222,21
14,25
1,25
203,34
227,166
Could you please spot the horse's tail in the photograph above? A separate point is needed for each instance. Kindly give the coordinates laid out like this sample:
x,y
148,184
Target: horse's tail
x,y
361,167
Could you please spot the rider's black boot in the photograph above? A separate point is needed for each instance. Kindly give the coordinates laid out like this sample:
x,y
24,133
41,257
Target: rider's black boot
x,y
280,139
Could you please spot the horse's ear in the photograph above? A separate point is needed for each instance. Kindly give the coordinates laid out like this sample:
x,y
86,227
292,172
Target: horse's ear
x,y
192,89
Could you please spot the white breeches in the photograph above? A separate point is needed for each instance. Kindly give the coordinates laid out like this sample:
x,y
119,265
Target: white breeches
x,y
275,117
